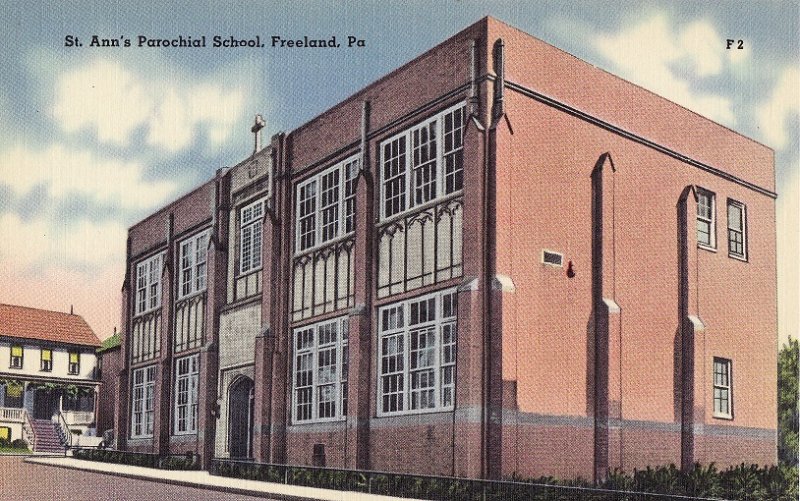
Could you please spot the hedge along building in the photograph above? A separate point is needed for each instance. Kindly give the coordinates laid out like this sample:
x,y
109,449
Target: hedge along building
x,y
497,259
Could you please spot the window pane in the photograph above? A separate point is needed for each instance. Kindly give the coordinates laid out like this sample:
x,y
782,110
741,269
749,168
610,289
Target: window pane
x,y
429,349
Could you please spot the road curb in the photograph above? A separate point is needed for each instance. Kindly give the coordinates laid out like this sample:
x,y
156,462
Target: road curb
x,y
181,483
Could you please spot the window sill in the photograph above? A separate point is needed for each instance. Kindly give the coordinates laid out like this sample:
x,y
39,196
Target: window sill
x,y
725,417
191,295
146,312
384,220
140,437
738,258
414,412
183,435
341,419
706,248
327,243
243,274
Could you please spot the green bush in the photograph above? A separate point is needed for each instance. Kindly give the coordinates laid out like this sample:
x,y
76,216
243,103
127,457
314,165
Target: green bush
x,y
19,444
187,462
739,482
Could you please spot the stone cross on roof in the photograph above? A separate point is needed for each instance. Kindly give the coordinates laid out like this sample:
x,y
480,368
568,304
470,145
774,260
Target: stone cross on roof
x,y
256,130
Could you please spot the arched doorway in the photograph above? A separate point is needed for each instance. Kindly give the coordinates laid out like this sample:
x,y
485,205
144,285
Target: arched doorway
x,y
240,418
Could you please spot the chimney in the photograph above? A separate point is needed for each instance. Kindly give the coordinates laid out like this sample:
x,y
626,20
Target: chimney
x,y
70,310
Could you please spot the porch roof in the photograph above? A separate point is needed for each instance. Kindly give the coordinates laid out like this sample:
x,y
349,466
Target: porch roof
x,y
35,324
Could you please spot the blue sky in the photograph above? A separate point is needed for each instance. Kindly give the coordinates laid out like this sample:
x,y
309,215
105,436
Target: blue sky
x,y
93,139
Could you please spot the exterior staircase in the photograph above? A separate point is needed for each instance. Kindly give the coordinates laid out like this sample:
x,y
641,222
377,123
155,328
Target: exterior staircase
x,y
47,439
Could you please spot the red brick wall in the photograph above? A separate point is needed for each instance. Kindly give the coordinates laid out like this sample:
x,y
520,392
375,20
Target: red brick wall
x,y
544,202
108,393
561,76
190,210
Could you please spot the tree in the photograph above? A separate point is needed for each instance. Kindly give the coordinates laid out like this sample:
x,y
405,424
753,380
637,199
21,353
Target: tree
x,y
788,402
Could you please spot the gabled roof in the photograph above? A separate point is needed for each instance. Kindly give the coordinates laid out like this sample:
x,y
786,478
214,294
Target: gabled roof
x,y
109,343
32,323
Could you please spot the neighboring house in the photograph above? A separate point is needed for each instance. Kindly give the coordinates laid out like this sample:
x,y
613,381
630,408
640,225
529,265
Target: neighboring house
x,y
496,259
47,372
109,366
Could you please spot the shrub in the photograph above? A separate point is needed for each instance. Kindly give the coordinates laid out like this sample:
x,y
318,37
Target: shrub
x,y
739,482
19,444
703,481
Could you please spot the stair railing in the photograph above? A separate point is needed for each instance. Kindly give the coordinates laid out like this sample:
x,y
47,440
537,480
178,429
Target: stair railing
x,y
64,434
28,431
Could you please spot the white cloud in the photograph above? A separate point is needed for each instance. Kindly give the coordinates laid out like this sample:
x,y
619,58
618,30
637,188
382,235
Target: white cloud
x,y
651,53
114,102
775,113
178,115
66,172
103,96
41,243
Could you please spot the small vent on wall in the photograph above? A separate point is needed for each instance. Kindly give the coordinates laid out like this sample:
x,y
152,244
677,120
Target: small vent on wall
x,y
552,258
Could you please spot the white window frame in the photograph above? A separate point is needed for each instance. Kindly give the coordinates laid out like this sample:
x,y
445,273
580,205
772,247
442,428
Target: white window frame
x,y
710,219
14,361
45,367
142,399
722,385
742,230
148,284
251,229
73,368
399,327
343,208
337,378
409,190
193,261
187,377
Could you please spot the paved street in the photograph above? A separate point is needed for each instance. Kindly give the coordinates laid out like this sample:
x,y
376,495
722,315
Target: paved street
x,y
20,481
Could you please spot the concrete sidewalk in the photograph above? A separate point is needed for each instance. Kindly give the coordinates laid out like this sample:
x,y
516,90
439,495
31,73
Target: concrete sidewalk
x,y
203,480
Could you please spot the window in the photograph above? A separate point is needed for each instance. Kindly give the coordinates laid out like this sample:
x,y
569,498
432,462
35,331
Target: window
x,y
326,205
142,402
737,230
16,357
722,388
320,371
148,284
47,360
706,217
193,264
14,394
417,350
423,163
74,362
83,402
250,228
186,377
552,258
